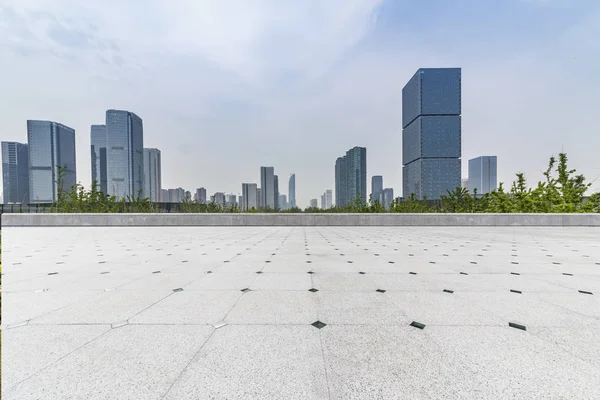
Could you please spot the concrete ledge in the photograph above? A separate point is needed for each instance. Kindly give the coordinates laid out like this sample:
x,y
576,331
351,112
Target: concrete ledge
x,y
16,220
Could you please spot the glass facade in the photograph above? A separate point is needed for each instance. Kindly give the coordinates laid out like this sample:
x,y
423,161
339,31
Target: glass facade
x,y
292,191
431,136
15,172
351,177
50,145
377,188
124,153
98,152
152,175
483,174
267,185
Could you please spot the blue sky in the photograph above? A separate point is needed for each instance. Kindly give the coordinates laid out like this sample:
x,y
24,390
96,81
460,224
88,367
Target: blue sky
x,y
225,87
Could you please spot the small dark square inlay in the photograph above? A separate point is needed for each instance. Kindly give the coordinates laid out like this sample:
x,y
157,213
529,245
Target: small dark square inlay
x,y
585,292
209,272
568,274
417,325
53,273
518,326
156,272
380,290
104,273
313,290
178,290
515,291
319,324
349,262
310,272
431,262
412,273
473,262
464,273
259,272
515,273
448,291
245,290
390,262
362,273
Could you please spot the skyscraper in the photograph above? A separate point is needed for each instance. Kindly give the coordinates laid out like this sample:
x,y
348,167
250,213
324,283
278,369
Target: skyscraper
x,y
259,198
377,188
51,146
283,204
351,177
200,196
328,198
388,198
98,147
15,172
431,132
276,191
124,153
176,195
152,174
219,198
249,196
164,195
267,186
292,190
314,203
483,174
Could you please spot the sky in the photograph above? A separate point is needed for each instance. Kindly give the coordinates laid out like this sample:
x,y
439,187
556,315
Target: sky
x,y
224,87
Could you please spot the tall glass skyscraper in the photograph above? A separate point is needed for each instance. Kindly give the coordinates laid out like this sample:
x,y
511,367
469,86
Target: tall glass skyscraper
x,y
152,175
249,196
51,145
124,153
98,148
377,188
292,190
483,174
276,191
431,132
351,176
15,172
267,186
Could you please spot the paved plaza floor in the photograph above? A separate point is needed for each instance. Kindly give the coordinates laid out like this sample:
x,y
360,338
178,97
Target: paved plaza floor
x,y
300,313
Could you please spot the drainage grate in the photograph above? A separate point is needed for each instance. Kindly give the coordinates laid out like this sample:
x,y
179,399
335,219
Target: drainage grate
x,y
517,326
585,292
412,273
448,291
515,273
245,290
417,325
178,290
319,324
568,274
515,291
313,290
380,290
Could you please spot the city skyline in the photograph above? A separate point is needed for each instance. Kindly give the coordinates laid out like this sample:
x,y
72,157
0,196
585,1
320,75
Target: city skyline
x,y
241,91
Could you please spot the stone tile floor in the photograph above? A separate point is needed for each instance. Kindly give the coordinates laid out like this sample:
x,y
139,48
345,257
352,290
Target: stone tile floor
x,y
300,313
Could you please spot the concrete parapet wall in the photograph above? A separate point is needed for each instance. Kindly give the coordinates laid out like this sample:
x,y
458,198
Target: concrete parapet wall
x,y
23,220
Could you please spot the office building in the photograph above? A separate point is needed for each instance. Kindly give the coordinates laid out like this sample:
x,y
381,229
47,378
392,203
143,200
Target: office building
x,y
240,201
431,132
200,196
176,195
313,203
267,186
351,177
483,174
292,190
219,198
276,191
259,198
164,195
327,199
464,183
51,146
152,172
15,173
388,198
98,147
249,196
377,189
231,200
283,202
124,153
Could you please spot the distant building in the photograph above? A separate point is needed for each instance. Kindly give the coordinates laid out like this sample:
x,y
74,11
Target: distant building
x,y
431,133
283,202
327,199
200,196
240,201
276,191
483,174
249,196
377,189
259,198
51,146
152,174
231,200
15,172
292,190
267,186
314,203
219,198
188,196
351,177
164,195
388,198
124,153
98,149
176,195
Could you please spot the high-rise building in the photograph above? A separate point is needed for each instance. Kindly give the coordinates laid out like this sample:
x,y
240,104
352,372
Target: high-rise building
x,y
219,198
249,196
200,196
240,200
188,195
98,147
176,195
351,177
388,198
152,174
314,203
292,190
15,172
431,132
377,189
267,186
483,174
276,191
231,200
124,153
51,147
164,195
259,198
328,199
282,202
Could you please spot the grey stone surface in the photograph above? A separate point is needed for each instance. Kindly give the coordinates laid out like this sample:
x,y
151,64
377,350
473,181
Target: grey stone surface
x,y
92,312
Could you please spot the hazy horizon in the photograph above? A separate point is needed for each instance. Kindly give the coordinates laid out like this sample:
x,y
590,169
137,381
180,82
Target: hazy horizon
x,y
226,87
